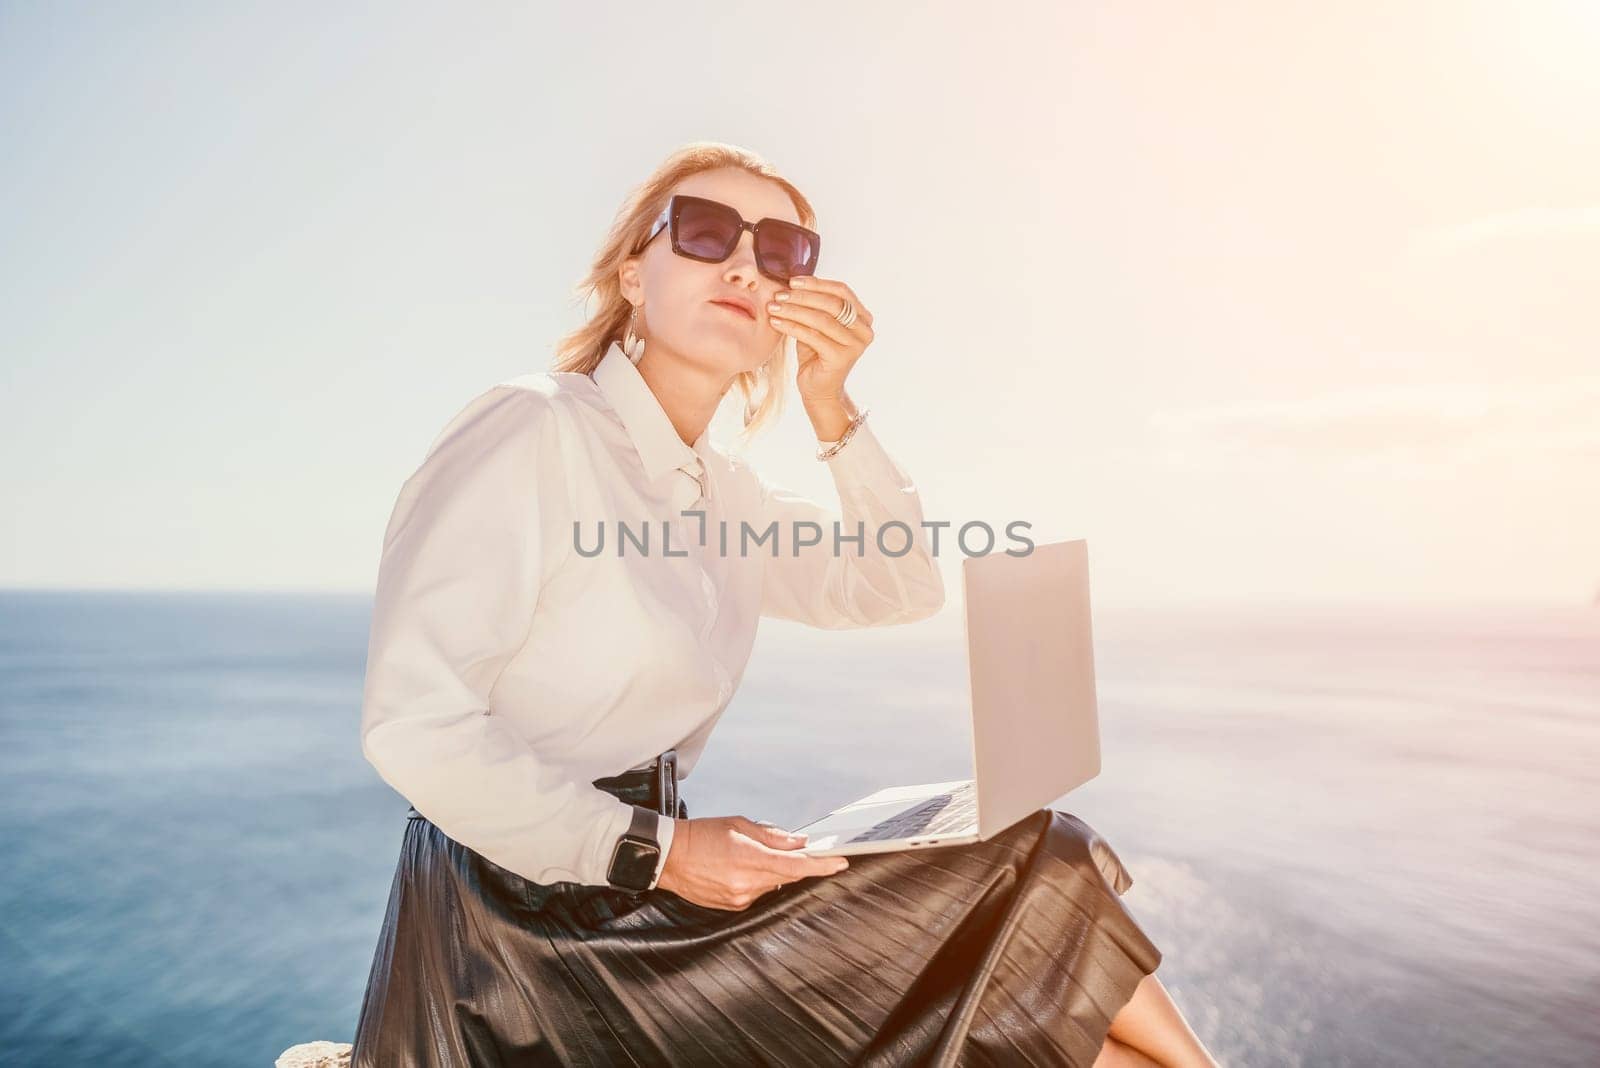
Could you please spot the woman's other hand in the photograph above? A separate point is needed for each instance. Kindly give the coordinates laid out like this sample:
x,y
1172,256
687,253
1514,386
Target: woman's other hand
x,y
727,862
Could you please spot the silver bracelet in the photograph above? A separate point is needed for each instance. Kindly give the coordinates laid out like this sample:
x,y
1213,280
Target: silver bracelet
x,y
849,432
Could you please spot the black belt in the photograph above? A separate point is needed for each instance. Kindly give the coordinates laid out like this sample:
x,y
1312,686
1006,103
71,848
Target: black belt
x,y
655,787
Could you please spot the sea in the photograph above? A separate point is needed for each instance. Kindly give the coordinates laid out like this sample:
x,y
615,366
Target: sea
x,y
1359,834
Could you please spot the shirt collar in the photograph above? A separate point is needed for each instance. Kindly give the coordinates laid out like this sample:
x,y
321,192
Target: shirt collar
x,y
660,448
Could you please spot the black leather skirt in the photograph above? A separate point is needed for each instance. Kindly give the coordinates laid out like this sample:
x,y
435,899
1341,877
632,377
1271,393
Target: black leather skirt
x,y
1013,951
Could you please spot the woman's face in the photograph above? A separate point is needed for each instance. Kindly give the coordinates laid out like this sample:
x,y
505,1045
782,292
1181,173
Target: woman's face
x,y
679,319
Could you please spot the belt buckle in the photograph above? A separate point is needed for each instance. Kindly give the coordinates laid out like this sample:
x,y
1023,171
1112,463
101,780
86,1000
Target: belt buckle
x,y
667,782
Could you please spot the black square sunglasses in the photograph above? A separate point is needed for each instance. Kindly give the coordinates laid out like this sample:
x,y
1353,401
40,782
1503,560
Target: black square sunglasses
x,y
709,231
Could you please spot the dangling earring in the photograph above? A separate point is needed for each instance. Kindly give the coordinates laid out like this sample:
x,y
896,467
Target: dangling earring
x,y
632,343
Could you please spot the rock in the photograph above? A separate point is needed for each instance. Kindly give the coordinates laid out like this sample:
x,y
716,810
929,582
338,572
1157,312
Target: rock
x,y
315,1055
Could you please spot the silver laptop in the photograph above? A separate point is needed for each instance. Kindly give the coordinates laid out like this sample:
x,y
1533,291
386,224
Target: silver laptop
x,y
1035,724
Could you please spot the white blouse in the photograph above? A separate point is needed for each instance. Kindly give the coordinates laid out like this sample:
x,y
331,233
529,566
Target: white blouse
x,y
509,665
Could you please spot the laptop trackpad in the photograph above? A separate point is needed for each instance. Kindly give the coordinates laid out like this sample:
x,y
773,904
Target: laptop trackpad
x,y
845,823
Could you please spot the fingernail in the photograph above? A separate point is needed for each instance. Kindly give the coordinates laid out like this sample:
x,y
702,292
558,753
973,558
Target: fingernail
x,y
796,837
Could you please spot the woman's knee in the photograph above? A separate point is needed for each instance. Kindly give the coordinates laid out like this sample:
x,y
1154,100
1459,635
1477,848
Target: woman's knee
x,y
1115,1054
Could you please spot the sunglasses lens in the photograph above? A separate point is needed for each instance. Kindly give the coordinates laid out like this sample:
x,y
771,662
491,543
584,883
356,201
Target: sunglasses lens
x,y
785,250
707,230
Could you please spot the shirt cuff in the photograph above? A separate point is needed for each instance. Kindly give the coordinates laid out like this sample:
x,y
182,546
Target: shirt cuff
x,y
830,444
864,460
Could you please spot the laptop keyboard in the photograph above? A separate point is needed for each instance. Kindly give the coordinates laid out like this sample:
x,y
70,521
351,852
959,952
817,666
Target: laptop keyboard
x,y
941,814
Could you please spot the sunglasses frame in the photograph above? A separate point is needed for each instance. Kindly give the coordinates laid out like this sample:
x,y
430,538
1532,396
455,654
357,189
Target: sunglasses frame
x,y
670,214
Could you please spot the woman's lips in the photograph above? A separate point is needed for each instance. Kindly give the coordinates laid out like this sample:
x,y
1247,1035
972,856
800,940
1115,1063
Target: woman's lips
x,y
736,309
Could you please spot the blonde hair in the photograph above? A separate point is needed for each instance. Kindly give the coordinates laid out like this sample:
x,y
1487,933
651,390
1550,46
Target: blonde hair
x,y
583,349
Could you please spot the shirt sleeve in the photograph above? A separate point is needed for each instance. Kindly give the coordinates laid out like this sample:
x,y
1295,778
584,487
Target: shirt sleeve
x,y
462,565
864,583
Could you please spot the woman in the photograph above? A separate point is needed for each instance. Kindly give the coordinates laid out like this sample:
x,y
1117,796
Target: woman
x,y
536,694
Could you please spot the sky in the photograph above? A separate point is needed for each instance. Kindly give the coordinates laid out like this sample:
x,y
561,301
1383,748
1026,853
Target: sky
x,y
1265,301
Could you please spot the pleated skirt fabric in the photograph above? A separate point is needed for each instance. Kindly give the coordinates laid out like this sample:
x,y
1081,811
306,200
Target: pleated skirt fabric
x,y
1014,951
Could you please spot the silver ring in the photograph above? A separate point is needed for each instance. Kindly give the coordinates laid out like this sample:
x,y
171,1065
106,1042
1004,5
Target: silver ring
x,y
847,314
